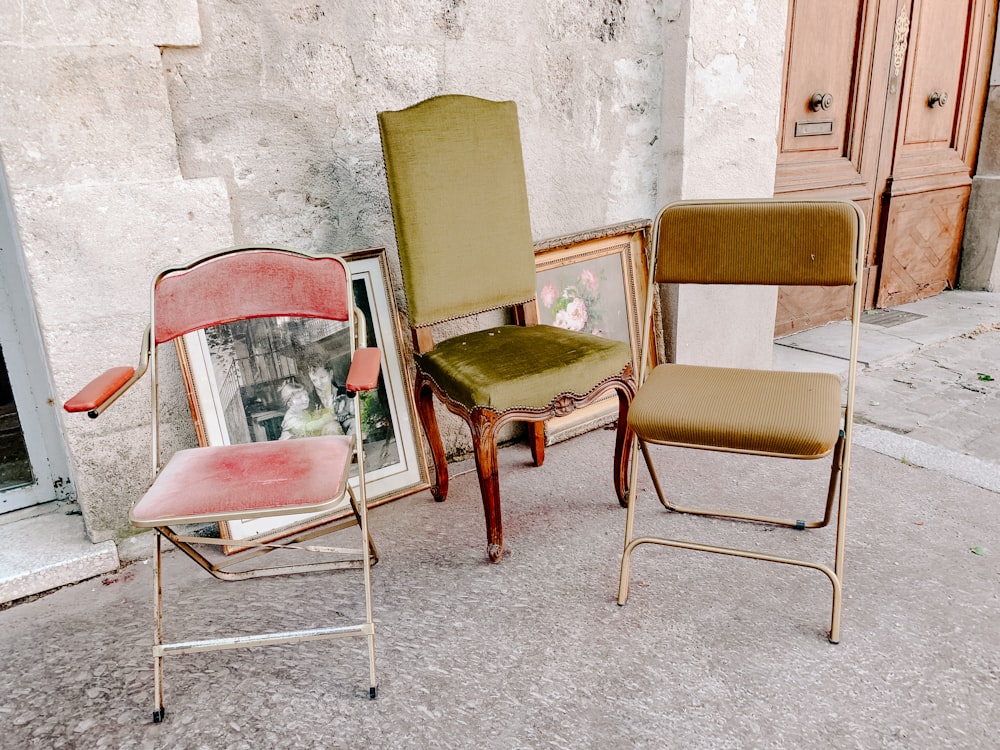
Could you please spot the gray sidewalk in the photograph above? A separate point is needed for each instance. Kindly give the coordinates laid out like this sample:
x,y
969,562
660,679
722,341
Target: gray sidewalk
x,y
709,652
929,388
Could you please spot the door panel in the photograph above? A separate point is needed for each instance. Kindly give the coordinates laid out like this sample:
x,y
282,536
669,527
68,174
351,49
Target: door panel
x,y
856,41
902,144
816,40
937,54
926,197
830,51
924,232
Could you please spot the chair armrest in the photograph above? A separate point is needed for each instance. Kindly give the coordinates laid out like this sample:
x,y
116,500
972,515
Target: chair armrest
x,y
365,366
105,389
99,390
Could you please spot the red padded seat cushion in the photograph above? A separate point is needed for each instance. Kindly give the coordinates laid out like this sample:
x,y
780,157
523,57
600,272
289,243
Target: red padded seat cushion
x,y
230,482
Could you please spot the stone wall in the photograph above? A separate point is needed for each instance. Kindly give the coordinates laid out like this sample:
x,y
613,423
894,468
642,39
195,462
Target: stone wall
x,y
980,266
721,103
142,134
92,164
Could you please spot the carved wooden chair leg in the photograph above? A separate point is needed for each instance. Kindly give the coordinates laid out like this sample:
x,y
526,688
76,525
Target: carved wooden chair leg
x,y
536,439
483,424
623,446
425,409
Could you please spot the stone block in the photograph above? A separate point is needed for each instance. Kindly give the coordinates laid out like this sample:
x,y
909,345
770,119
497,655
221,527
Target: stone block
x,y
110,475
83,115
731,326
980,268
46,551
609,22
589,131
989,143
63,23
91,251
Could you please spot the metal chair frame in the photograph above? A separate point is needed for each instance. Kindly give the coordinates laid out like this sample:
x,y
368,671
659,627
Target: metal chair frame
x,y
107,388
840,467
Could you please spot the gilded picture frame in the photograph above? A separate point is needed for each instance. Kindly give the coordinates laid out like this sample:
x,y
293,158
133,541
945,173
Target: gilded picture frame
x,y
596,282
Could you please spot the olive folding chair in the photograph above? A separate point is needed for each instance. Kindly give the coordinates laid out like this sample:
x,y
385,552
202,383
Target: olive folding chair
x,y
794,415
460,207
215,484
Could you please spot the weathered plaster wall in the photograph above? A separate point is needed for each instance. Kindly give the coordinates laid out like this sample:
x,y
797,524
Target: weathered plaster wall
x,y
721,102
91,158
136,135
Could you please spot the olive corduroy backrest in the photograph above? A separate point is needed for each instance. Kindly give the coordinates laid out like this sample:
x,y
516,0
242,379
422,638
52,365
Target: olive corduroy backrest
x,y
759,242
460,206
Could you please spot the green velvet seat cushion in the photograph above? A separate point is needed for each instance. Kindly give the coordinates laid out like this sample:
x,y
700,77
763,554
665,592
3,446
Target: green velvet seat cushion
x,y
751,411
527,367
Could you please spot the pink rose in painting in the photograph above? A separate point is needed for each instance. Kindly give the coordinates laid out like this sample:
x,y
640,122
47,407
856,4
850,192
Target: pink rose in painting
x,y
574,317
549,294
589,280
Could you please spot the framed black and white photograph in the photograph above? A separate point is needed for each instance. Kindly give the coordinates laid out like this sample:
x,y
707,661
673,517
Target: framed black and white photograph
x,y
283,378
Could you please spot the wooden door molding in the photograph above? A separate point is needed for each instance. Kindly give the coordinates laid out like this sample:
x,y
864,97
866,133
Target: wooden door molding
x,y
936,142
832,53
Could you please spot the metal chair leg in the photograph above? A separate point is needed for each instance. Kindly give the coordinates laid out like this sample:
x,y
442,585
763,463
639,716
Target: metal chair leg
x,y
158,710
633,483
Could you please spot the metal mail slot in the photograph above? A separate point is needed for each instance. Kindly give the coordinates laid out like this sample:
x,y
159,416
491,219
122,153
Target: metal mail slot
x,y
813,127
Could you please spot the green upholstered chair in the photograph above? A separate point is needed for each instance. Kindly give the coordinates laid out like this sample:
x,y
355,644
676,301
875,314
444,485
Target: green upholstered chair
x,y
758,412
460,206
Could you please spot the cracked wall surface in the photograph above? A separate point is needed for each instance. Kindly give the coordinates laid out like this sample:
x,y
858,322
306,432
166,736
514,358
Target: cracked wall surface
x,y
142,134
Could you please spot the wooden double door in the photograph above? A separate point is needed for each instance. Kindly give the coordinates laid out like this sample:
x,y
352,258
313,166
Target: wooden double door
x,y
883,102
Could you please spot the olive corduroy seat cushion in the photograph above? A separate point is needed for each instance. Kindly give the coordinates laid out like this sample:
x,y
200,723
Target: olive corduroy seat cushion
x,y
749,411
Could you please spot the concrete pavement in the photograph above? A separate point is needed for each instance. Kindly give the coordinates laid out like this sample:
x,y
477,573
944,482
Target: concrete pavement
x,y
709,652
929,389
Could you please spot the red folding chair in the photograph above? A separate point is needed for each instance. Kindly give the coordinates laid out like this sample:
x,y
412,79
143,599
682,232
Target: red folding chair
x,y
216,484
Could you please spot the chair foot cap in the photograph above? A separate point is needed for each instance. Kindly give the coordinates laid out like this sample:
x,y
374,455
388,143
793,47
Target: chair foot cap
x,y
158,716
373,692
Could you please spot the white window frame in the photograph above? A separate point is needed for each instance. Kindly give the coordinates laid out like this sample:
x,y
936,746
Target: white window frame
x,y
29,374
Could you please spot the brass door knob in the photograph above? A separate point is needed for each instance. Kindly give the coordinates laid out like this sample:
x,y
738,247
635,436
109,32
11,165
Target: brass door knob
x,y
820,101
937,99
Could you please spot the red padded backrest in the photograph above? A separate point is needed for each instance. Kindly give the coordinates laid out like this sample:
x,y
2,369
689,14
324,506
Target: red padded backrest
x,y
249,283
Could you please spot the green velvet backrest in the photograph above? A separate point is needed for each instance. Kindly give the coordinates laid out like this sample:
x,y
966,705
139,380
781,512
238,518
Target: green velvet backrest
x,y
759,242
460,206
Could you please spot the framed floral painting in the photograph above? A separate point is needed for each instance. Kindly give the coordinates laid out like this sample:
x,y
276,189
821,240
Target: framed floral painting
x,y
283,378
594,282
